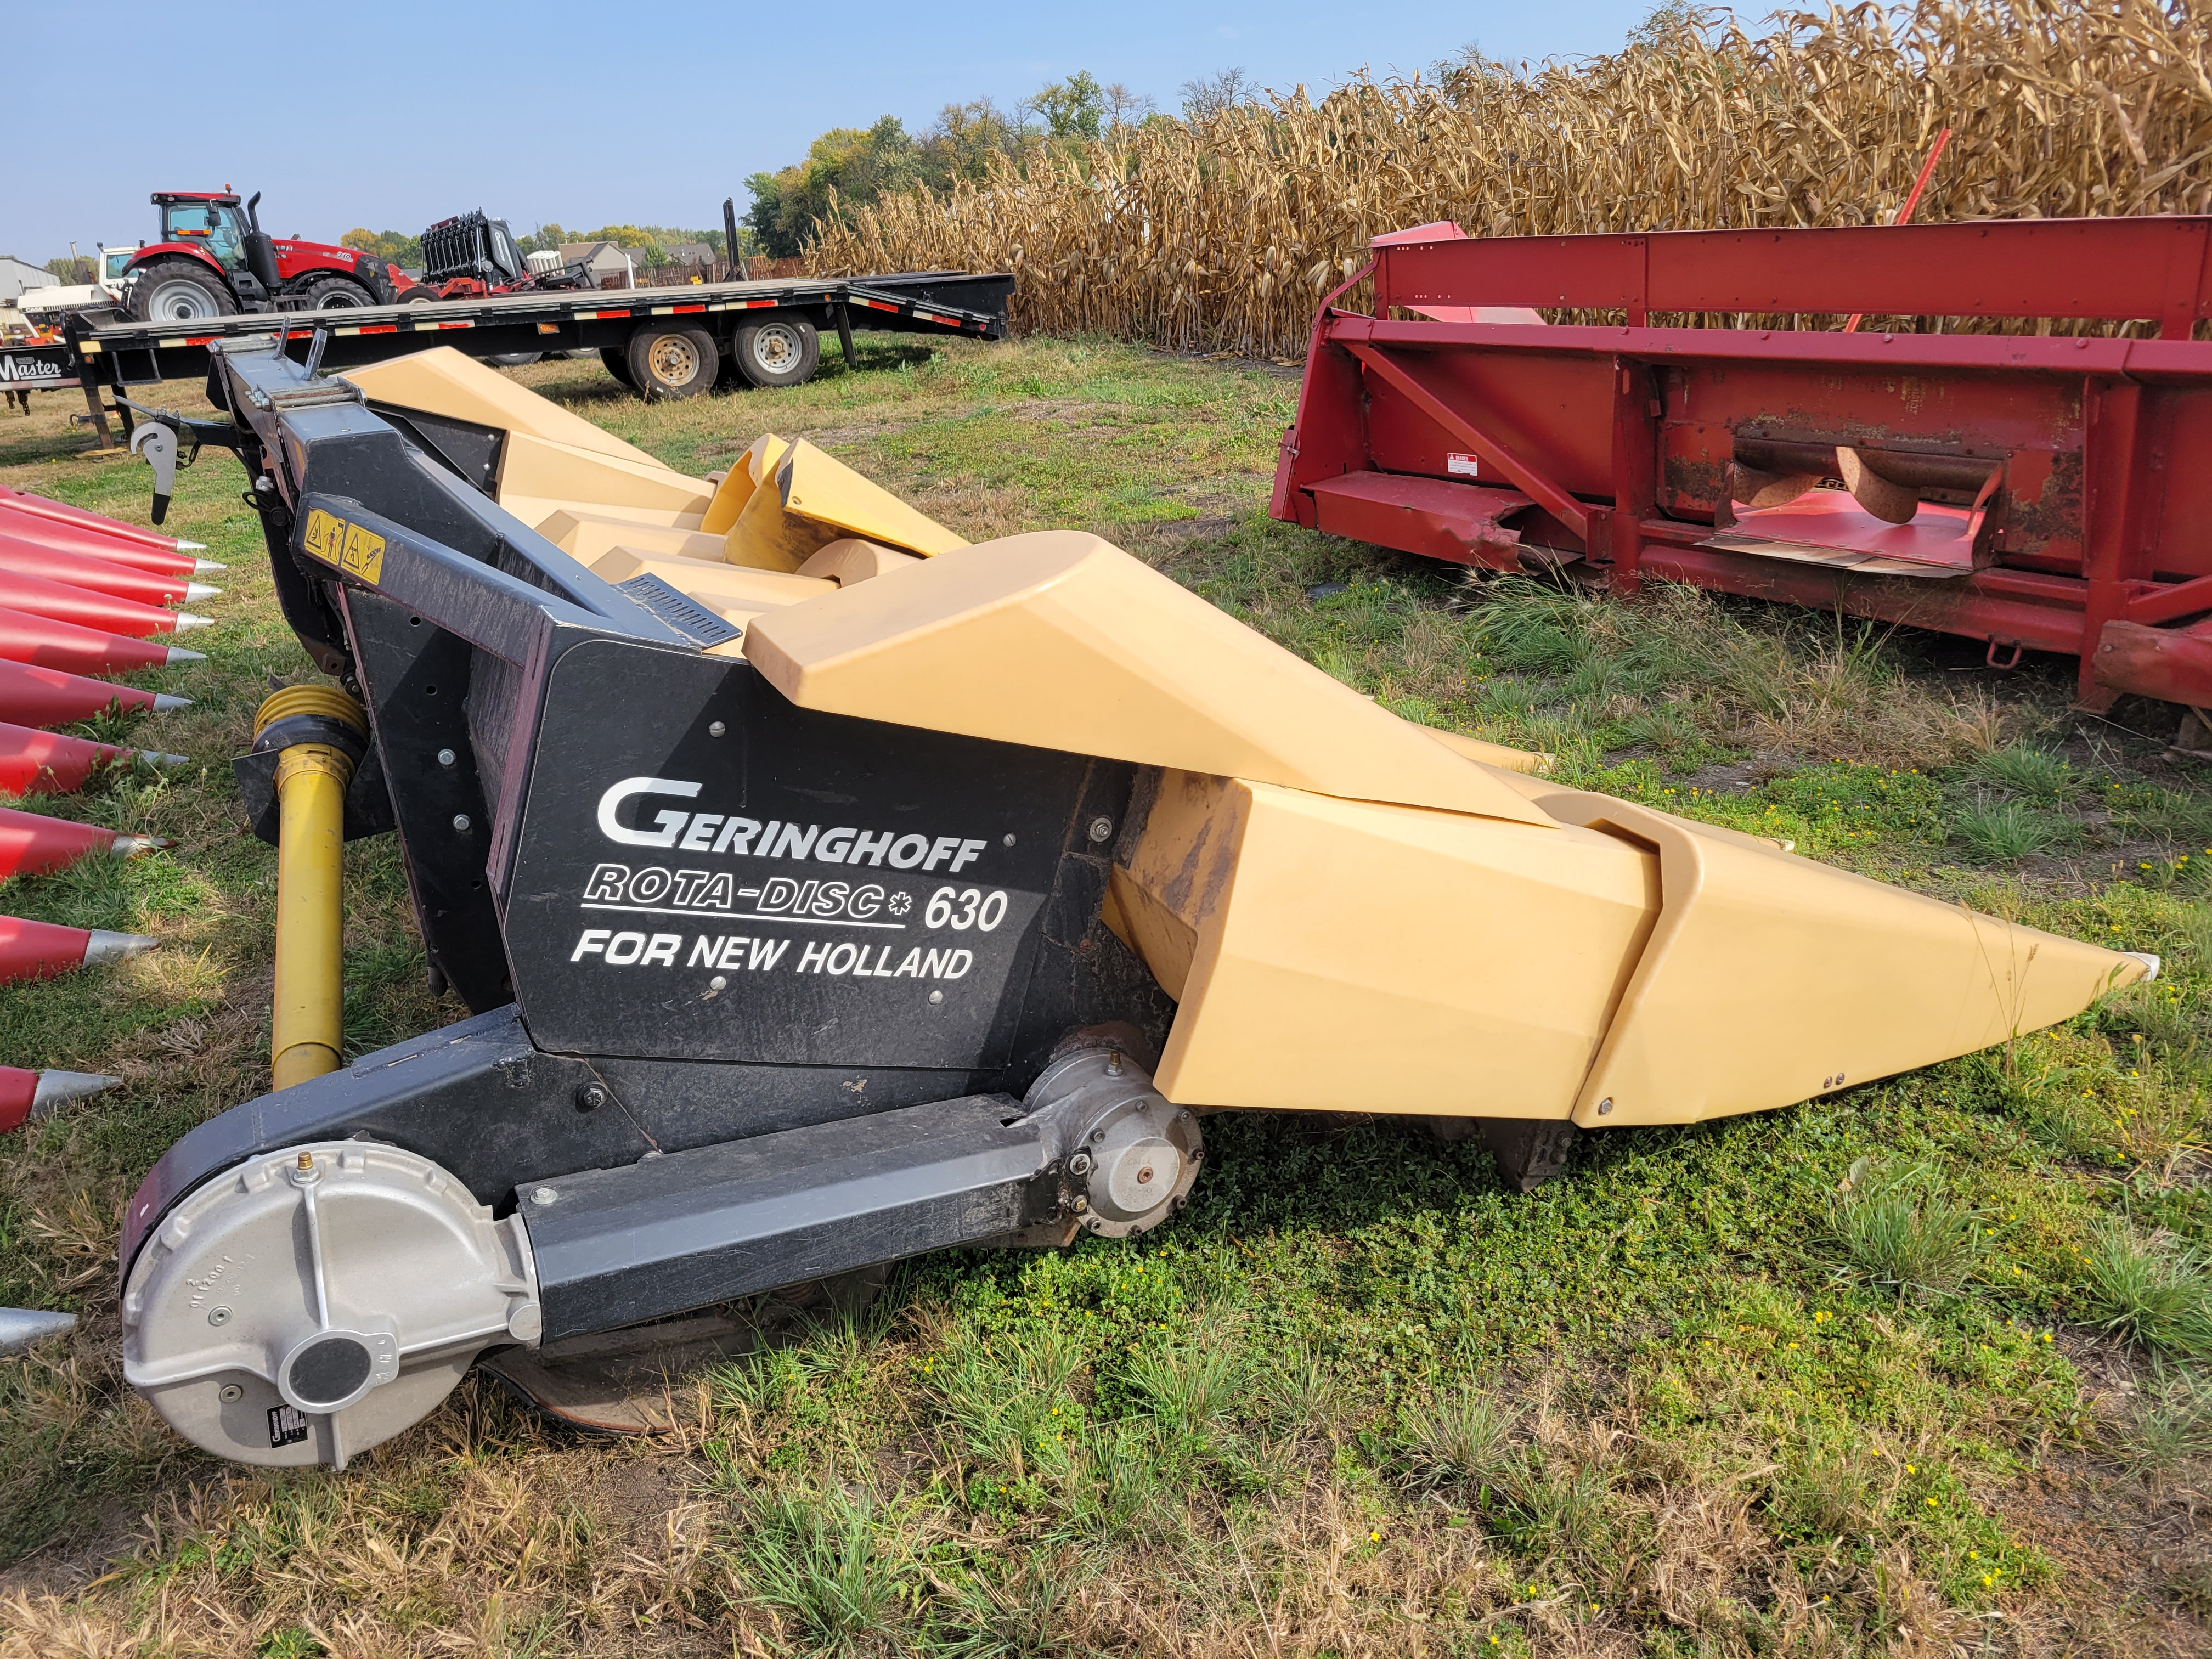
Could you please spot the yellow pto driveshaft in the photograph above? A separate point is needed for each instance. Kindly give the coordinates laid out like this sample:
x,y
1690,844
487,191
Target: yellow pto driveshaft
x,y
318,733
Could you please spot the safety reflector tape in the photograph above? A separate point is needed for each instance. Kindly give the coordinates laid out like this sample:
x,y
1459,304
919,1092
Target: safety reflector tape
x,y
879,305
165,344
585,316
90,348
549,328
373,328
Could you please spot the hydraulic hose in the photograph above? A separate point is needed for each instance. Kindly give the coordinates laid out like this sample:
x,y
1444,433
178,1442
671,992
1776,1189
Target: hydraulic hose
x,y
319,734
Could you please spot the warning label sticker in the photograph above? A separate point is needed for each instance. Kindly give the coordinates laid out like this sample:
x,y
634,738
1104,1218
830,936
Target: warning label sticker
x,y
1461,465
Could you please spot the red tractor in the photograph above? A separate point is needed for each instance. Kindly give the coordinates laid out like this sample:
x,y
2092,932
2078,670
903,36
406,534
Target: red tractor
x,y
213,261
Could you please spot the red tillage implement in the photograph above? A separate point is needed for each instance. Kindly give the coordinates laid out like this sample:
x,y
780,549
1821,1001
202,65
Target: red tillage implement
x,y
2050,492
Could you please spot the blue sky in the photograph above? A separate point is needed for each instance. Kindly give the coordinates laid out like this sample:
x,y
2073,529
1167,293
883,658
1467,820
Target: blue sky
x,y
395,115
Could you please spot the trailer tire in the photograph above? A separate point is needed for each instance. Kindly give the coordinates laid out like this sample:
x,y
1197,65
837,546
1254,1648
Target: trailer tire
x,y
514,359
780,351
176,291
667,359
617,359
336,294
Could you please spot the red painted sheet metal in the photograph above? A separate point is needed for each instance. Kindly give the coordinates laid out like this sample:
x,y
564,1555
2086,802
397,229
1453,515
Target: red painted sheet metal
x,y
2174,665
1430,516
2088,457
2113,269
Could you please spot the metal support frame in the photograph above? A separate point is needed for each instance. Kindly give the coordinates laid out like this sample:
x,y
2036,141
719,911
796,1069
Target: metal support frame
x,y
1619,434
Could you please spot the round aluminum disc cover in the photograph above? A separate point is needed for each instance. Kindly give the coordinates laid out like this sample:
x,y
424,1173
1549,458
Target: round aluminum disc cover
x,y
312,1303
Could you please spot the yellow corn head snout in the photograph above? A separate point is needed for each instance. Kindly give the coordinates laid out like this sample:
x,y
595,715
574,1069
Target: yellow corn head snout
x,y
307,1028
1352,915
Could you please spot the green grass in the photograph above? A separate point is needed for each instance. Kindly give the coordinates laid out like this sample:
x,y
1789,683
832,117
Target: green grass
x,y
1710,1392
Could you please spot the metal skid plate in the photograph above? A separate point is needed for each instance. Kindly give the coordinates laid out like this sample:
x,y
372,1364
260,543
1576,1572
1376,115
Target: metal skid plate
x,y
315,1302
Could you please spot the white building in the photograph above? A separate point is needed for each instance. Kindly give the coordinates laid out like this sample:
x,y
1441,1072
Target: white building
x,y
17,275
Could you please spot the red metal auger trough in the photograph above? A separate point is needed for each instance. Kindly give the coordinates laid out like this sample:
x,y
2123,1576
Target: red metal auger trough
x,y
2050,492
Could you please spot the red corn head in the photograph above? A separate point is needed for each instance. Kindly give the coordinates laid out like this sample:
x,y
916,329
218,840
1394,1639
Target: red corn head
x,y
45,507
48,764
32,844
26,1097
30,696
18,527
125,582
39,949
86,609
51,644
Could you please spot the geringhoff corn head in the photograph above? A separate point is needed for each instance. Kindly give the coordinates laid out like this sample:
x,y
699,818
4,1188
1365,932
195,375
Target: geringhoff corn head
x,y
829,891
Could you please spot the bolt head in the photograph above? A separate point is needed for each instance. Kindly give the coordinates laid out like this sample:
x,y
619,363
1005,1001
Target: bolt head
x,y
461,823
230,1393
218,1315
1010,841
1605,1106
719,983
543,1195
447,757
1101,827
718,729
1079,1165
937,996
591,1097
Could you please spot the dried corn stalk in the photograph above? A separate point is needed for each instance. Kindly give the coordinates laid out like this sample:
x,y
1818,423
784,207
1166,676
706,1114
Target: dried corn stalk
x,y
1222,234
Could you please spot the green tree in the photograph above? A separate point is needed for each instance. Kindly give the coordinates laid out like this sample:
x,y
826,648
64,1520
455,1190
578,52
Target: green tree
x,y
396,247
1073,108
859,164
961,142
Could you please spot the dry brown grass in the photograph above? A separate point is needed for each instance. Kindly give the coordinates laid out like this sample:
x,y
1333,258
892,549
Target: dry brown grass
x,y
1223,233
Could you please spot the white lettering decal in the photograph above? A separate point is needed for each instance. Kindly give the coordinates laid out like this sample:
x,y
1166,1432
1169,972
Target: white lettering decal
x,y
624,949
607,882
670,822
594,938
737,836
909,851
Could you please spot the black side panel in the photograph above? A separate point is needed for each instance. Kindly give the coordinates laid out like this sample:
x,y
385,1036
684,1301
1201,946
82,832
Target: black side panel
x,y
893,921
471,453
414,678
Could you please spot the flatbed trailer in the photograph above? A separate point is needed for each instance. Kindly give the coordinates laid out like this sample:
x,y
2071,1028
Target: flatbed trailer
x,y
709,321
2045,491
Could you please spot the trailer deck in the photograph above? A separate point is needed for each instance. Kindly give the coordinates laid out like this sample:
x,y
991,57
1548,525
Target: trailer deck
x,y
104,349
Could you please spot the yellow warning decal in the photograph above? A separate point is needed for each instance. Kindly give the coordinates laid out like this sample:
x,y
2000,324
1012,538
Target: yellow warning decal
x,y
324,537
356,551
364,555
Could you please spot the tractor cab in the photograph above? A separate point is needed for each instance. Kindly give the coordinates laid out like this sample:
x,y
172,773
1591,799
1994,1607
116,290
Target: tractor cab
x,y
205,221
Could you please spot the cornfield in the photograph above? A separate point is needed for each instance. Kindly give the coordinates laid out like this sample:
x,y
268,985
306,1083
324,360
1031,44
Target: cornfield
x,y
1221,234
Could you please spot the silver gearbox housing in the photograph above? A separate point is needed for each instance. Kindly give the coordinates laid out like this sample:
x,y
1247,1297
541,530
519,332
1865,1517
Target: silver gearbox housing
x,y
1129,1155
312,1303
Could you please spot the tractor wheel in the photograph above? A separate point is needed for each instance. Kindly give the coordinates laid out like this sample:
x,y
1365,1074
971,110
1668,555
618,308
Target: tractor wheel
x,y
672,361
418,295
781,351
617,361
336,294
178,291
